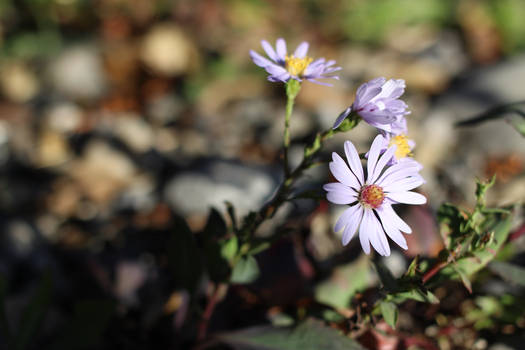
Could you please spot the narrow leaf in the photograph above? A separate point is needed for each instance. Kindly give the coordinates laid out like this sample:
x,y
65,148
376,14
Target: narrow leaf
x,y
245,271
390,313
310,335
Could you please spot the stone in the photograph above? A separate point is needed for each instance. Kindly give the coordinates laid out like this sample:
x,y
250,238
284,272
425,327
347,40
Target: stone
x,y
78,73
194,192
168,51
18,82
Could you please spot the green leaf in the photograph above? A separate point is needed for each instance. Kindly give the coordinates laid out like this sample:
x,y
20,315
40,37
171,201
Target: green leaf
x,y
512,273
417,294
464,279
389,312
245,271
184,256
229,248
475,261
481,189
310,335
90,320
34,313
344,283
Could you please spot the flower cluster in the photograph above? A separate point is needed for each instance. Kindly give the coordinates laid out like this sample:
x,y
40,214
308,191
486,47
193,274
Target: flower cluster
x,y
391,172
389,177
283,67
370,198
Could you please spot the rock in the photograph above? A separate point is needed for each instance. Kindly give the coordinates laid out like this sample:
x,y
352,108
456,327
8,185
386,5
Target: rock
x,y
18,82
64,117
102,172
22,237
461,154
130,277
135,132
53,149
168,51
196,191
164,109
78,73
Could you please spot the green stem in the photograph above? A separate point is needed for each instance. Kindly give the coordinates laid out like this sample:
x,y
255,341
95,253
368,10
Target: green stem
x,y
292,89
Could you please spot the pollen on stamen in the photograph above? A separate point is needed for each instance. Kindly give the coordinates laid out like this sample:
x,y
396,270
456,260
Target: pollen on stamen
x,y
403,148
296,66
371,196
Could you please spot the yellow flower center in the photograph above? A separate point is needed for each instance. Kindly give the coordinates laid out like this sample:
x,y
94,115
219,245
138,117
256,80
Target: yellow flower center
x,y
371,196
296,66
403,149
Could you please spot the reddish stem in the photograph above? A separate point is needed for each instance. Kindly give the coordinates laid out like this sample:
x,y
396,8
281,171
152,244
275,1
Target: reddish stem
x,y
206,316
434,270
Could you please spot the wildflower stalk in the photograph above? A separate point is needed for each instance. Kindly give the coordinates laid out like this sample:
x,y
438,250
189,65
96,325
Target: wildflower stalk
x,y
292,89
254,220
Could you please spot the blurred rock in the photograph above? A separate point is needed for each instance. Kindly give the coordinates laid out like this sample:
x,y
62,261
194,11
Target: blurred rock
x,y
135,132
22,237
195,192
462,153
53,149
64,117
130,276
164,109
78,73
167,50
102,172
18,82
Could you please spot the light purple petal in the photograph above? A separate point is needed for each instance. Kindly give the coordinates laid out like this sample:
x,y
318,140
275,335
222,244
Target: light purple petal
x,y
276,70
342,117
260,60
301,50
397,172
391,230
407,197
319,82
269,50
279,78
281,49
364,95
345,218
365,229
382,162
391,216
377,236
352,223
355,162
373,155
405,184
340,198
342,173
339,187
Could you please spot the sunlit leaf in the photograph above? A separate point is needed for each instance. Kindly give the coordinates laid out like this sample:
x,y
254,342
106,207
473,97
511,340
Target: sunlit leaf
x,y
310,335
389,312
345,281
245,271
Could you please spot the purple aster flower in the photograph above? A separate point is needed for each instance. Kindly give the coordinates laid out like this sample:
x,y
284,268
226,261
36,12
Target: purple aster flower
x,y
298,66
370,201
378,103
404,147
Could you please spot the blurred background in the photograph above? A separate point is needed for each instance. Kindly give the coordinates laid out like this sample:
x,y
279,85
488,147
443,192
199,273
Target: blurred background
x,y
120,117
